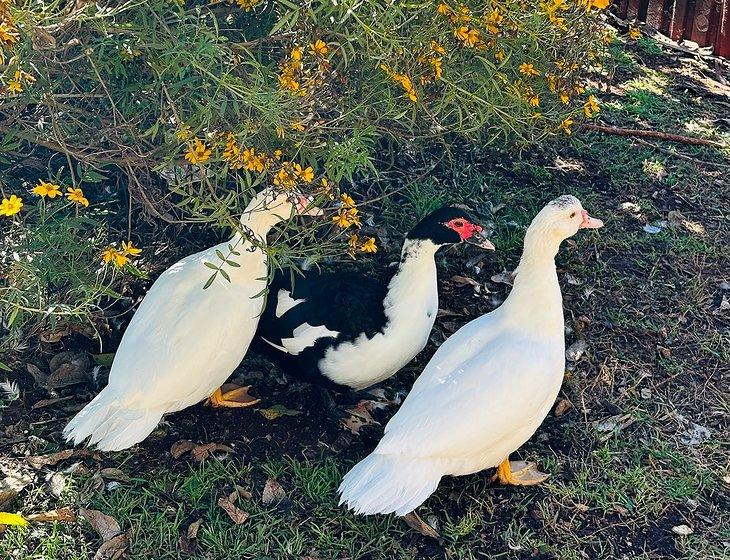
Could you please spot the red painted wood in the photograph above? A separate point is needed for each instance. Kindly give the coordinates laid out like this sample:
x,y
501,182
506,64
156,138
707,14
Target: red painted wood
x,y
706,22
679,20
722,42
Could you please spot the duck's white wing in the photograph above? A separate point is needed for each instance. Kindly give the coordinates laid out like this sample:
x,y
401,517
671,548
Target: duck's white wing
x,y
475,406
184,341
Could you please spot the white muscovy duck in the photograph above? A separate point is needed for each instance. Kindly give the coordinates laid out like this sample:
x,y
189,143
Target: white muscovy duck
x,y
485,391
348,331
184,341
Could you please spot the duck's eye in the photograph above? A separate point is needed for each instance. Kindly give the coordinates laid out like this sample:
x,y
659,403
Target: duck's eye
x,y
572,214
459,223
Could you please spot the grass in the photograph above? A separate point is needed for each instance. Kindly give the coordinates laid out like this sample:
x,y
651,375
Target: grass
x,y
645,303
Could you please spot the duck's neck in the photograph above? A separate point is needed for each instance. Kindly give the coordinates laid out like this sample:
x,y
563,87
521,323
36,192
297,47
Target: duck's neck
x,y
535,301
415,280
261,214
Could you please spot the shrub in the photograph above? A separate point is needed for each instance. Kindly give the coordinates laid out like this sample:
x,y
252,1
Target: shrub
x,y
196,104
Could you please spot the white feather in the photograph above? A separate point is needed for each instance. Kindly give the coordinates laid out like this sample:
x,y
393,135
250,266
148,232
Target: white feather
x,y
284,302
305,335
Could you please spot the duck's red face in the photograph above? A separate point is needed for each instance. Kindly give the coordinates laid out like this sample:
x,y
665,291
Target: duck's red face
x,y
469,232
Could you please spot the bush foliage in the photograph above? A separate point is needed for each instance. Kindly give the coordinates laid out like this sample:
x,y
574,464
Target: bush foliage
x,y
193,105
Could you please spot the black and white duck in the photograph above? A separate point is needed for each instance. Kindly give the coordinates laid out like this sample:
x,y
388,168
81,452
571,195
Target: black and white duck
x,y
347,330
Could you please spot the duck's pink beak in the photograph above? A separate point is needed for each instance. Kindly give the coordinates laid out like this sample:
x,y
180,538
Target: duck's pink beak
x,y
305,207
590,223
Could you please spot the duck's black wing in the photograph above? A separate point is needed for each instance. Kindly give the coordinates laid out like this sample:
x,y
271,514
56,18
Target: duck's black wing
x,y
345,303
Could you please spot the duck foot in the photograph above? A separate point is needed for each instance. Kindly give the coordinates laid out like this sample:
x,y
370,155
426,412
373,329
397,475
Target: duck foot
x,y
519,473
237,397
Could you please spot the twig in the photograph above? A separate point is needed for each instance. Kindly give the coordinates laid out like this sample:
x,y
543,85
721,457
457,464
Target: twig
x,y
680,156
652,134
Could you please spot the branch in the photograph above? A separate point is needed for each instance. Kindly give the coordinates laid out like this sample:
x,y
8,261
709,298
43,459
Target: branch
x,y
652,134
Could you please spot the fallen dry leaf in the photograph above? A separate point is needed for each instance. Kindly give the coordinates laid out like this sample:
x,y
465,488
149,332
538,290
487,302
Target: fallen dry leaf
x,y
43,403
65,515
40,461
236,514
202,452
274,412
180,448
40,376
503,277
273,492
463,281
576,350
105,525
682,530
113,549
415,522
563,406
67,374
111,473
189,541
359,416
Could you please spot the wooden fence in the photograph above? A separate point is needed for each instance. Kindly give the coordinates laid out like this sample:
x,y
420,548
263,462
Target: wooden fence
x,y
706,22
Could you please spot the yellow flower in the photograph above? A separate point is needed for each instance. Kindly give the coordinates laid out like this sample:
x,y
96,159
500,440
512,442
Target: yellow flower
x,y
634,32
198,153
469,37
253,161
76,195
285,177
590,107
437,48
528,69
247,5
296,54
564,97
44,189
500,55
342,219
278,153
111,255
444,9
14,86
437,67
306,174
352,214
493,20
232,152
11,206
566,124
319,47
184,133
298,126
129,249
600,4
369,246
534,100
347,200
8,34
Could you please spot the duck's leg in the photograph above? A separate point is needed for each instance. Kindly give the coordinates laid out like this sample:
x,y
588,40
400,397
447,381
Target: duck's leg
x,y
519,473
233,398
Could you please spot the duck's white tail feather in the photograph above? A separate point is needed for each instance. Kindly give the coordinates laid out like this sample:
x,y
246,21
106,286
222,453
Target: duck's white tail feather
x,y
110,426
388,483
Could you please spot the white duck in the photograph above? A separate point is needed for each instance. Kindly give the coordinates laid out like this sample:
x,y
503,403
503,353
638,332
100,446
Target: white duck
x,y
184,341
485,391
